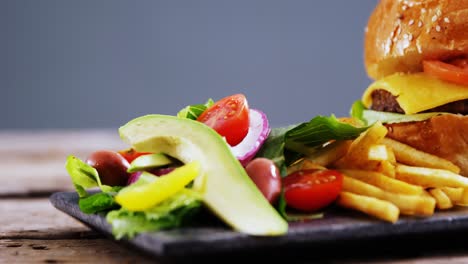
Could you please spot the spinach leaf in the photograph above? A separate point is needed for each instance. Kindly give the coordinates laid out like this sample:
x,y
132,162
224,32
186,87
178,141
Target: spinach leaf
x,y
319,130
287,144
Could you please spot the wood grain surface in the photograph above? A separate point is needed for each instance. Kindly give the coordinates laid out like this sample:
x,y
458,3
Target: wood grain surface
x,y
67,251
31,218
33,163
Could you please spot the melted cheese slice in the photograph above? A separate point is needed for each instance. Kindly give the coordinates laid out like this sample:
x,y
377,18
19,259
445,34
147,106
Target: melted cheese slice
x,y
417,92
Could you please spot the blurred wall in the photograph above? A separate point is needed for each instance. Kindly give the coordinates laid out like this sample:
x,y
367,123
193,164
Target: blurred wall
x,y
99,63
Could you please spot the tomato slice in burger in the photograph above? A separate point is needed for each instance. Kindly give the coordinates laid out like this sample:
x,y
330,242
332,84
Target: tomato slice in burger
x,y
455,71
229,117
311,190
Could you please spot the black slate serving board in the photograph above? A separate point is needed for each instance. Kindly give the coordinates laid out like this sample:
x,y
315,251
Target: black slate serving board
x,y
339,228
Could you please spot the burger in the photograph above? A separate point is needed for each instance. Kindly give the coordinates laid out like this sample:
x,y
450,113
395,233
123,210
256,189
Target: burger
x,y
416,51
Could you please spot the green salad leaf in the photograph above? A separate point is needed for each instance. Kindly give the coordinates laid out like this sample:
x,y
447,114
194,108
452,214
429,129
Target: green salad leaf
x,y
84,176
273,148
194,111
321,129
173,212
99,202
287,144
358,110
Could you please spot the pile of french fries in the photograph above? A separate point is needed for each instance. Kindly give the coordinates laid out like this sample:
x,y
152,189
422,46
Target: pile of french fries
x,y
385,178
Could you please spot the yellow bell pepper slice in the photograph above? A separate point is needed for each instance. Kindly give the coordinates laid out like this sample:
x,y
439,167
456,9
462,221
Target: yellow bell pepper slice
x,y
140,198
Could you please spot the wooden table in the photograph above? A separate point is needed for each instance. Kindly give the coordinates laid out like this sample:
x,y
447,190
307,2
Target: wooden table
x,y
33,231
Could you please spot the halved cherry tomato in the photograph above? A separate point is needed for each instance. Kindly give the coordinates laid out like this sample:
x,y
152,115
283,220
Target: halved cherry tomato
x,y
131,154
229,117
311,190
455,71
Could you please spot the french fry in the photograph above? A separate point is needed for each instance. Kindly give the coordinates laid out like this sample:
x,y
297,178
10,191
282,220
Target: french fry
x,y
330,153
391,155
428,177
408,204
357,156
384,182
386,167
381,152
464,198
369,205
385,157
455,194
442,200
360,146
411,156
304,164
352,121
385,178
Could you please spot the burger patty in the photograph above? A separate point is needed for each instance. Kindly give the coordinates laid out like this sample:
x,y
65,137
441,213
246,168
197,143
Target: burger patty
x,y
384,101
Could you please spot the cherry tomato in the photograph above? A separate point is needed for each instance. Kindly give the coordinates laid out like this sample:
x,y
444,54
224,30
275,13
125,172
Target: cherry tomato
x,y
111,167
455,71
265,174
311,190
131,154
229,117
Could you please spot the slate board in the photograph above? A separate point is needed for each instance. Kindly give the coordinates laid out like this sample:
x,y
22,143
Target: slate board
x,y
339,228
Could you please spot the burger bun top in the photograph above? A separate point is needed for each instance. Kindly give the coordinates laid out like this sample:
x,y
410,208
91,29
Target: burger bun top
x,y
402,33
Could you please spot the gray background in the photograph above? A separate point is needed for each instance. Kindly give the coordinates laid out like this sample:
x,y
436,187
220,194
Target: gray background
x,y
100,63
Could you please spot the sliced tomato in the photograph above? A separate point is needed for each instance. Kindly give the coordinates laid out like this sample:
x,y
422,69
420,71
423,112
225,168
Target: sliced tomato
x,y
229,117
311,190
455,71
131,154
460,62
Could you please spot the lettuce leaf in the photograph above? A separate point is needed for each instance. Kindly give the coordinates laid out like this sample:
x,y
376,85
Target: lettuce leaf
x,y
194,111
173,212
369,117
99,202
84,176
357,111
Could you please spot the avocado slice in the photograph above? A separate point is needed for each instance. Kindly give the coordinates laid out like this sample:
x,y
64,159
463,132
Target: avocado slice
x,y
149,161
225,186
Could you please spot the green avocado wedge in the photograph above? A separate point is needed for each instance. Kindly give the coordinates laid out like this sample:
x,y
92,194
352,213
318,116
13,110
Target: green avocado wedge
x,y
226,188
149,161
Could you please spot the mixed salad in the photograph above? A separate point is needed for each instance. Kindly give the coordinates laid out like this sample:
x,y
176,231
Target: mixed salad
x,y
221,155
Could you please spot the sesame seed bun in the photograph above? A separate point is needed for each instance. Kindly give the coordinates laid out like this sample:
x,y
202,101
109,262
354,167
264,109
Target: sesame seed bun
x,y
401,33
